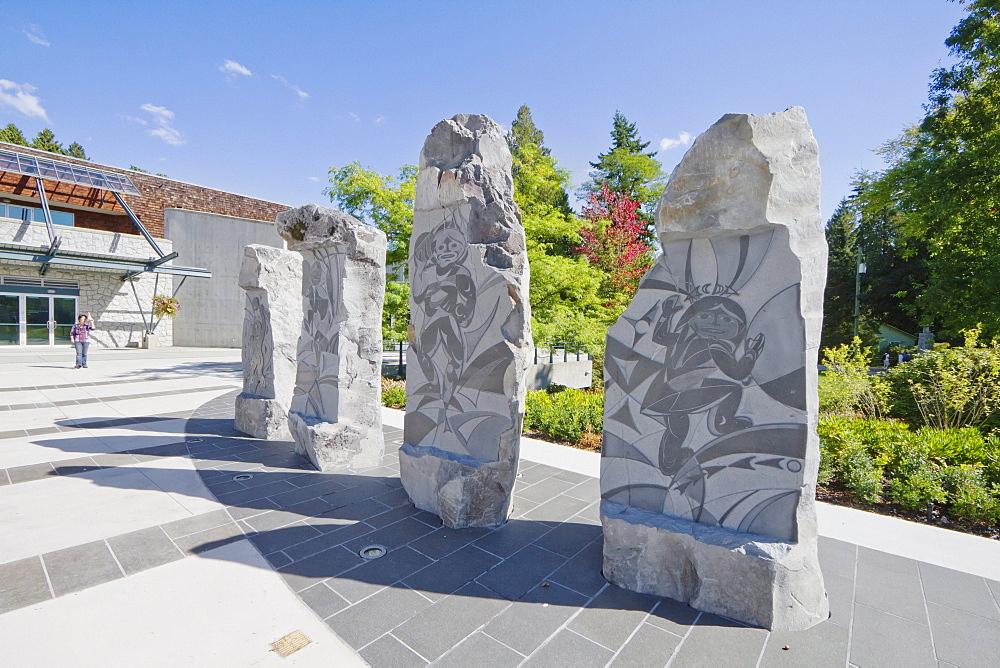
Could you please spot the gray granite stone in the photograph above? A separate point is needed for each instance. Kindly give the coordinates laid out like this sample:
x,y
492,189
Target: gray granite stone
x,y
470,337
336,411
824,645
963,638
882,639
388,651
710,450
613,616
80,567
480,649
140,550
568,649
363,622
528,623
22,583
272,320
892,592
650,646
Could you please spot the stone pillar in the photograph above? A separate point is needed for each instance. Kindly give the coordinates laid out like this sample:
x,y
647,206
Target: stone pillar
x,y
470,338
272,279
336,411
710,456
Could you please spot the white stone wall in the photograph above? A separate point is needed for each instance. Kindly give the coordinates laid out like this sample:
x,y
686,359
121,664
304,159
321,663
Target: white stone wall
x,y
79,239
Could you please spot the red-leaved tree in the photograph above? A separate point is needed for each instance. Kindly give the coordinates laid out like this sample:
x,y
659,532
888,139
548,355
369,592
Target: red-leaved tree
x,y
613,242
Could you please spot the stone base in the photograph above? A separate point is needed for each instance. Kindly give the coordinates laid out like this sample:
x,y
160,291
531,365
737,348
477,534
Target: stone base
x,y
462,490
771,584
262,418
336,445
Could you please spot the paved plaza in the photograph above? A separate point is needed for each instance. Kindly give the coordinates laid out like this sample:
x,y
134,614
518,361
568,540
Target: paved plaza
x,y
138,528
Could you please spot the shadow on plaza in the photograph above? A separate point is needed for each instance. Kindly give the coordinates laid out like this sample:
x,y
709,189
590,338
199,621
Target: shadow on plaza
x,y
312,526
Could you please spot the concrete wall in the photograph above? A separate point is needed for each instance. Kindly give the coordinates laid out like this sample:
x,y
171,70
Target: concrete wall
x,y
571,374
211,310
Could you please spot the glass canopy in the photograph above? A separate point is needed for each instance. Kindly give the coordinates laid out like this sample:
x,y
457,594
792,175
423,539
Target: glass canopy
x,y
55,170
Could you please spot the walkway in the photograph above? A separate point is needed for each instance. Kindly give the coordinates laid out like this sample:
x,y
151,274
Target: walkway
x,y
136,526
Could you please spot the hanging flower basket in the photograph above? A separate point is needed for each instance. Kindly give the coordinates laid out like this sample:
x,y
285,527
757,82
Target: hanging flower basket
x,y
163,305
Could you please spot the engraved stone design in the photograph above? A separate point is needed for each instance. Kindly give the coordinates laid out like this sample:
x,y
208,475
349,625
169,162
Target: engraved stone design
x,y
470,336
272,320
336,411
710,452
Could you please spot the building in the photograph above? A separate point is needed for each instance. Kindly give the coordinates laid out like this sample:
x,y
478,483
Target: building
x,y
78,237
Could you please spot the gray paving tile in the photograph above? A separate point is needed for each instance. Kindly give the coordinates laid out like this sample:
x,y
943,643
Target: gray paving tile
x,y
569,650
75,466
362,492
611,617
889,562
323,600
144,549
273,519
327,538
511,537
190,525
454,571
955,589
823,645
114,459
545,490
650,646
528,623
569,538
837,557
363,622
81,566
444,541
4,478
517,575
521,507
715,641
258,508
392,536
589,515
22,583
367,578
558,509
963,638
840,591
248,496
995,588
318,567
582,573
534,474
881,639
480,650
890,591
360,510
210,539
444,624
574,477
287,537
392,516
31,472
388,651
673,616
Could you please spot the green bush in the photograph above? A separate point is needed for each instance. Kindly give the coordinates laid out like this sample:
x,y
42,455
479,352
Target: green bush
x,y
565,415
394,393
860,473
972,497
846,388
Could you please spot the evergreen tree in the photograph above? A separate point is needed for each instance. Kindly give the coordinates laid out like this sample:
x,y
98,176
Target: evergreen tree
x,y
45,140
838,299
12,135
77,151
537,177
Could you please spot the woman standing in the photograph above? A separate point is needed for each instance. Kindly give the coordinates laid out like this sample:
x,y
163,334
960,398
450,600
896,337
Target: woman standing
x,y
78,335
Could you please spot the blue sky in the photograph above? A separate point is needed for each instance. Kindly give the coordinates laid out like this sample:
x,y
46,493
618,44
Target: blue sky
x,y
262,98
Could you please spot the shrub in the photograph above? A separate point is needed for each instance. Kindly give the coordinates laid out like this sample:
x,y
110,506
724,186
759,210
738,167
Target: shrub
x,y
394,393
565,415
860,473
973,498
915,480
847,388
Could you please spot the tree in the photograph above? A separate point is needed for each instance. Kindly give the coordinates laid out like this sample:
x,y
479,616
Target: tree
x,y
537,178
627,168
77,151
838,299
45,140
12,135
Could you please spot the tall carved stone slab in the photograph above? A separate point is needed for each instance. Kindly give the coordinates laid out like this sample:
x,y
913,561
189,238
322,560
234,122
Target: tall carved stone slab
x,y
336,411
710,456
470,335
272,319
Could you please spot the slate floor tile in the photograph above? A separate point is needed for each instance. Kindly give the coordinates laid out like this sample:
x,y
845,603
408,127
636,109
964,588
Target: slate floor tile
x,y
837,557
22,583
479,650
881,639
545,490
569,538
530,475
890,591
285,538
528,623
963,638
569,650
444,541
673,616
715,641
388,651
363,622
582,573
30,472
650,647
955,589
889,562
517,575
367,578
824,645
323,600
612,616
448,621
327,564
840,591
328,537
589,490
453,572
81,566
995,588
273,519
210,539
392,536
144,549
392,516
190,525
558,509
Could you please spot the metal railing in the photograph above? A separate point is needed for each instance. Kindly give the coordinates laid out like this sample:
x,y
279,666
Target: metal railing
x,y
394,352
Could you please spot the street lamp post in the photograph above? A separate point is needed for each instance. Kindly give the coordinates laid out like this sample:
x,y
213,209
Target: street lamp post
x,y
861,269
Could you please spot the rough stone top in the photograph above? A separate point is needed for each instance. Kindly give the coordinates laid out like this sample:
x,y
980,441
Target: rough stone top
x,y
266,265
312,226
466,161
745,171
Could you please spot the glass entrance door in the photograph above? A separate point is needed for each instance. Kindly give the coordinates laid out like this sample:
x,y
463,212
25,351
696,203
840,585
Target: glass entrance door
x,y
63,318
10,320
37,319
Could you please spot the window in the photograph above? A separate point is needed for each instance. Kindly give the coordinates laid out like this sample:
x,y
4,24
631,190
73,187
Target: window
x,y
35,214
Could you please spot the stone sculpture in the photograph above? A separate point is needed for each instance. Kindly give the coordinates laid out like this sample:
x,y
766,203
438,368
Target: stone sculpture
x,y
470,337
336,412
710,450
272,279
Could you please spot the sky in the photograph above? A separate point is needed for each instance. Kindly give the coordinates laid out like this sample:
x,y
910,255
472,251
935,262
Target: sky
x,y
262,98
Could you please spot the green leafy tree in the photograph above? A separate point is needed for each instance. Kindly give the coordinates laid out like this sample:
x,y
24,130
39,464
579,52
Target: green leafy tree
x,y
12,135
76,150
45,140
838,299
628,168
537,177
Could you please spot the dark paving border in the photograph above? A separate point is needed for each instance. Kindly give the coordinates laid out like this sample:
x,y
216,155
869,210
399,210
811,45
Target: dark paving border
x,y
120,397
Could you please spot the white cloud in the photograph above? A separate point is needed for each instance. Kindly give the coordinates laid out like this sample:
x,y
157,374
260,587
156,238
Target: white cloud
x,y
298,91
34,33
314,179
683,139
233,69
22,98
162,120
354,116
379,120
